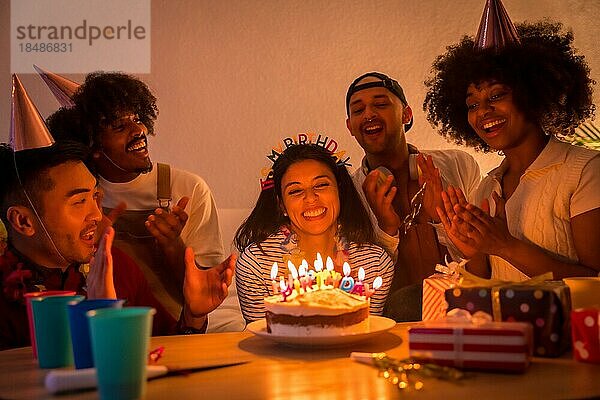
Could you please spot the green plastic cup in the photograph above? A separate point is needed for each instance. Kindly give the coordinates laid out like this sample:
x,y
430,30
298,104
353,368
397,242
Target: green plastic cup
x,y
52,333
28,297
120,339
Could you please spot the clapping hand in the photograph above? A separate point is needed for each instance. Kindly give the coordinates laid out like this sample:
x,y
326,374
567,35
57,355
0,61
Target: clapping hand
x,y
205,289
379,194
456,228
430,175
166,226
490,235
100,283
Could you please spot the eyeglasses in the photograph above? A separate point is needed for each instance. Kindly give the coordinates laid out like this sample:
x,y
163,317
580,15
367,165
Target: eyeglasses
x,y
415,207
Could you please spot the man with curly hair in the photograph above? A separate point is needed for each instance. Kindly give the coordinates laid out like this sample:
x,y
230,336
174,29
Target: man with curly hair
x,y
114,113
378,117
540,209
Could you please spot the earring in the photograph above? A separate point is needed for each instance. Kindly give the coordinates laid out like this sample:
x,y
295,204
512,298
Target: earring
x,y
285,214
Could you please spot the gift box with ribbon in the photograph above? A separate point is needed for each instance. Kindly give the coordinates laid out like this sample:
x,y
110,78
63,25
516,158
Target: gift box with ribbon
x,y
472,342
434,287
585,330
545,304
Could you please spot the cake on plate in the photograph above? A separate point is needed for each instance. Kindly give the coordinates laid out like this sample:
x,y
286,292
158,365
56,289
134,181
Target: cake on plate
x,y
323,312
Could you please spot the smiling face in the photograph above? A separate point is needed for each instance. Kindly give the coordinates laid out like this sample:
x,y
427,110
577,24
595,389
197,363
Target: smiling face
x,y
494,116
124,143
310,198
377,119
70,214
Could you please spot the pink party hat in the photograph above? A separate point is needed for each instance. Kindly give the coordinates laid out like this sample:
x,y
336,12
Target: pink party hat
x,y
62,88
496,30
27,128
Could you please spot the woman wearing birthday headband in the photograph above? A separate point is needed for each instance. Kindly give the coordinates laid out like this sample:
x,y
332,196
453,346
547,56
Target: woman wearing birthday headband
x,y
311,207
518,96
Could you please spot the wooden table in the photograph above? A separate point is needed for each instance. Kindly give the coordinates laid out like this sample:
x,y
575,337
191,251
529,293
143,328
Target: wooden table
x,y
279,372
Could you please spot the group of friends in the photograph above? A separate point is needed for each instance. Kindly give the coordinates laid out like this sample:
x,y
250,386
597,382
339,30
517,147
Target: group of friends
x,y
92,213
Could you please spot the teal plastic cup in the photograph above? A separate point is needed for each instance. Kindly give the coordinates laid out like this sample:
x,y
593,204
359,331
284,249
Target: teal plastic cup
x,y
80,328
120,339
28,297
52,334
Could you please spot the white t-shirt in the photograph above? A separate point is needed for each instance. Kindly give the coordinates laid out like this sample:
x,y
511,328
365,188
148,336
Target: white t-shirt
x,y
201,231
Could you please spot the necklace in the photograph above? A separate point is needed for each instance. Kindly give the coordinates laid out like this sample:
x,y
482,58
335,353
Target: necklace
x,y
416,203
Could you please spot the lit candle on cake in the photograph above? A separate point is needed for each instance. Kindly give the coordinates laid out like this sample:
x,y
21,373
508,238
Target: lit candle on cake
x,y
318,264
376,285
358,287
304,264
293,277
347,281
328,278
304,279
285,289
274,270
301,270
311,276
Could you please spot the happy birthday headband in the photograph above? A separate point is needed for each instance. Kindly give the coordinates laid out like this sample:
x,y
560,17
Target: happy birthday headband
x,y
266,179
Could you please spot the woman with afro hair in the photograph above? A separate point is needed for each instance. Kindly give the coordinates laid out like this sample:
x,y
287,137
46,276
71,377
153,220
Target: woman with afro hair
x,y
540,209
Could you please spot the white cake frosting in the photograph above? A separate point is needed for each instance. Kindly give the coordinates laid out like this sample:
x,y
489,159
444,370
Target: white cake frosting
x,y
336,311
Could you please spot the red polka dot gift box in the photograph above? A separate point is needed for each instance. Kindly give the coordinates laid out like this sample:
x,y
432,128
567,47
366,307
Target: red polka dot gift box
x,y
546,305
472,342
585,332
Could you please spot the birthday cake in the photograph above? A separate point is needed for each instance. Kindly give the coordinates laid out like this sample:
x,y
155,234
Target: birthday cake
x,y
324,312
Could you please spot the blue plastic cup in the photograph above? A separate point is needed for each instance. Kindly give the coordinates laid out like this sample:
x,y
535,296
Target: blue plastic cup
x,y
52,333
80,328
120,340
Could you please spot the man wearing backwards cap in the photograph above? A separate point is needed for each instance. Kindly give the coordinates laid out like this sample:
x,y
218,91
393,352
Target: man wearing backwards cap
x,y
378,115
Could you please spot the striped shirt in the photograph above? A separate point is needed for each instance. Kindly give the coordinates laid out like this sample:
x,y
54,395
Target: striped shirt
x,y
253,273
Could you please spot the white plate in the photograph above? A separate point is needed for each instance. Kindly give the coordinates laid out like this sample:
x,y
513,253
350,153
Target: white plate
x,y
377,325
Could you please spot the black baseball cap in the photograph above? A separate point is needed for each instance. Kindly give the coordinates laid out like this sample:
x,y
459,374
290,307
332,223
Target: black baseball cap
x,y
390,84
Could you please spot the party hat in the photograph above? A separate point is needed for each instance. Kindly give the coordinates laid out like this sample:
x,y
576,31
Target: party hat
x,y
496,30
62,88
27,128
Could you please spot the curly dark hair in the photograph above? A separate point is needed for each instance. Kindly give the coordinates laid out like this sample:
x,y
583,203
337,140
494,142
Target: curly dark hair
x,y
267,217
106,96
550,82
65,124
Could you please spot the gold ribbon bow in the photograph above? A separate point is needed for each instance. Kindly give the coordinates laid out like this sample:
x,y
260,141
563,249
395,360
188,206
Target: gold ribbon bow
x,y
468,280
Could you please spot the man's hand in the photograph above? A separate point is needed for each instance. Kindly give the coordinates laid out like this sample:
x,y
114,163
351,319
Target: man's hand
x,y
166,226
100,283
205,289
432,198
379,195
